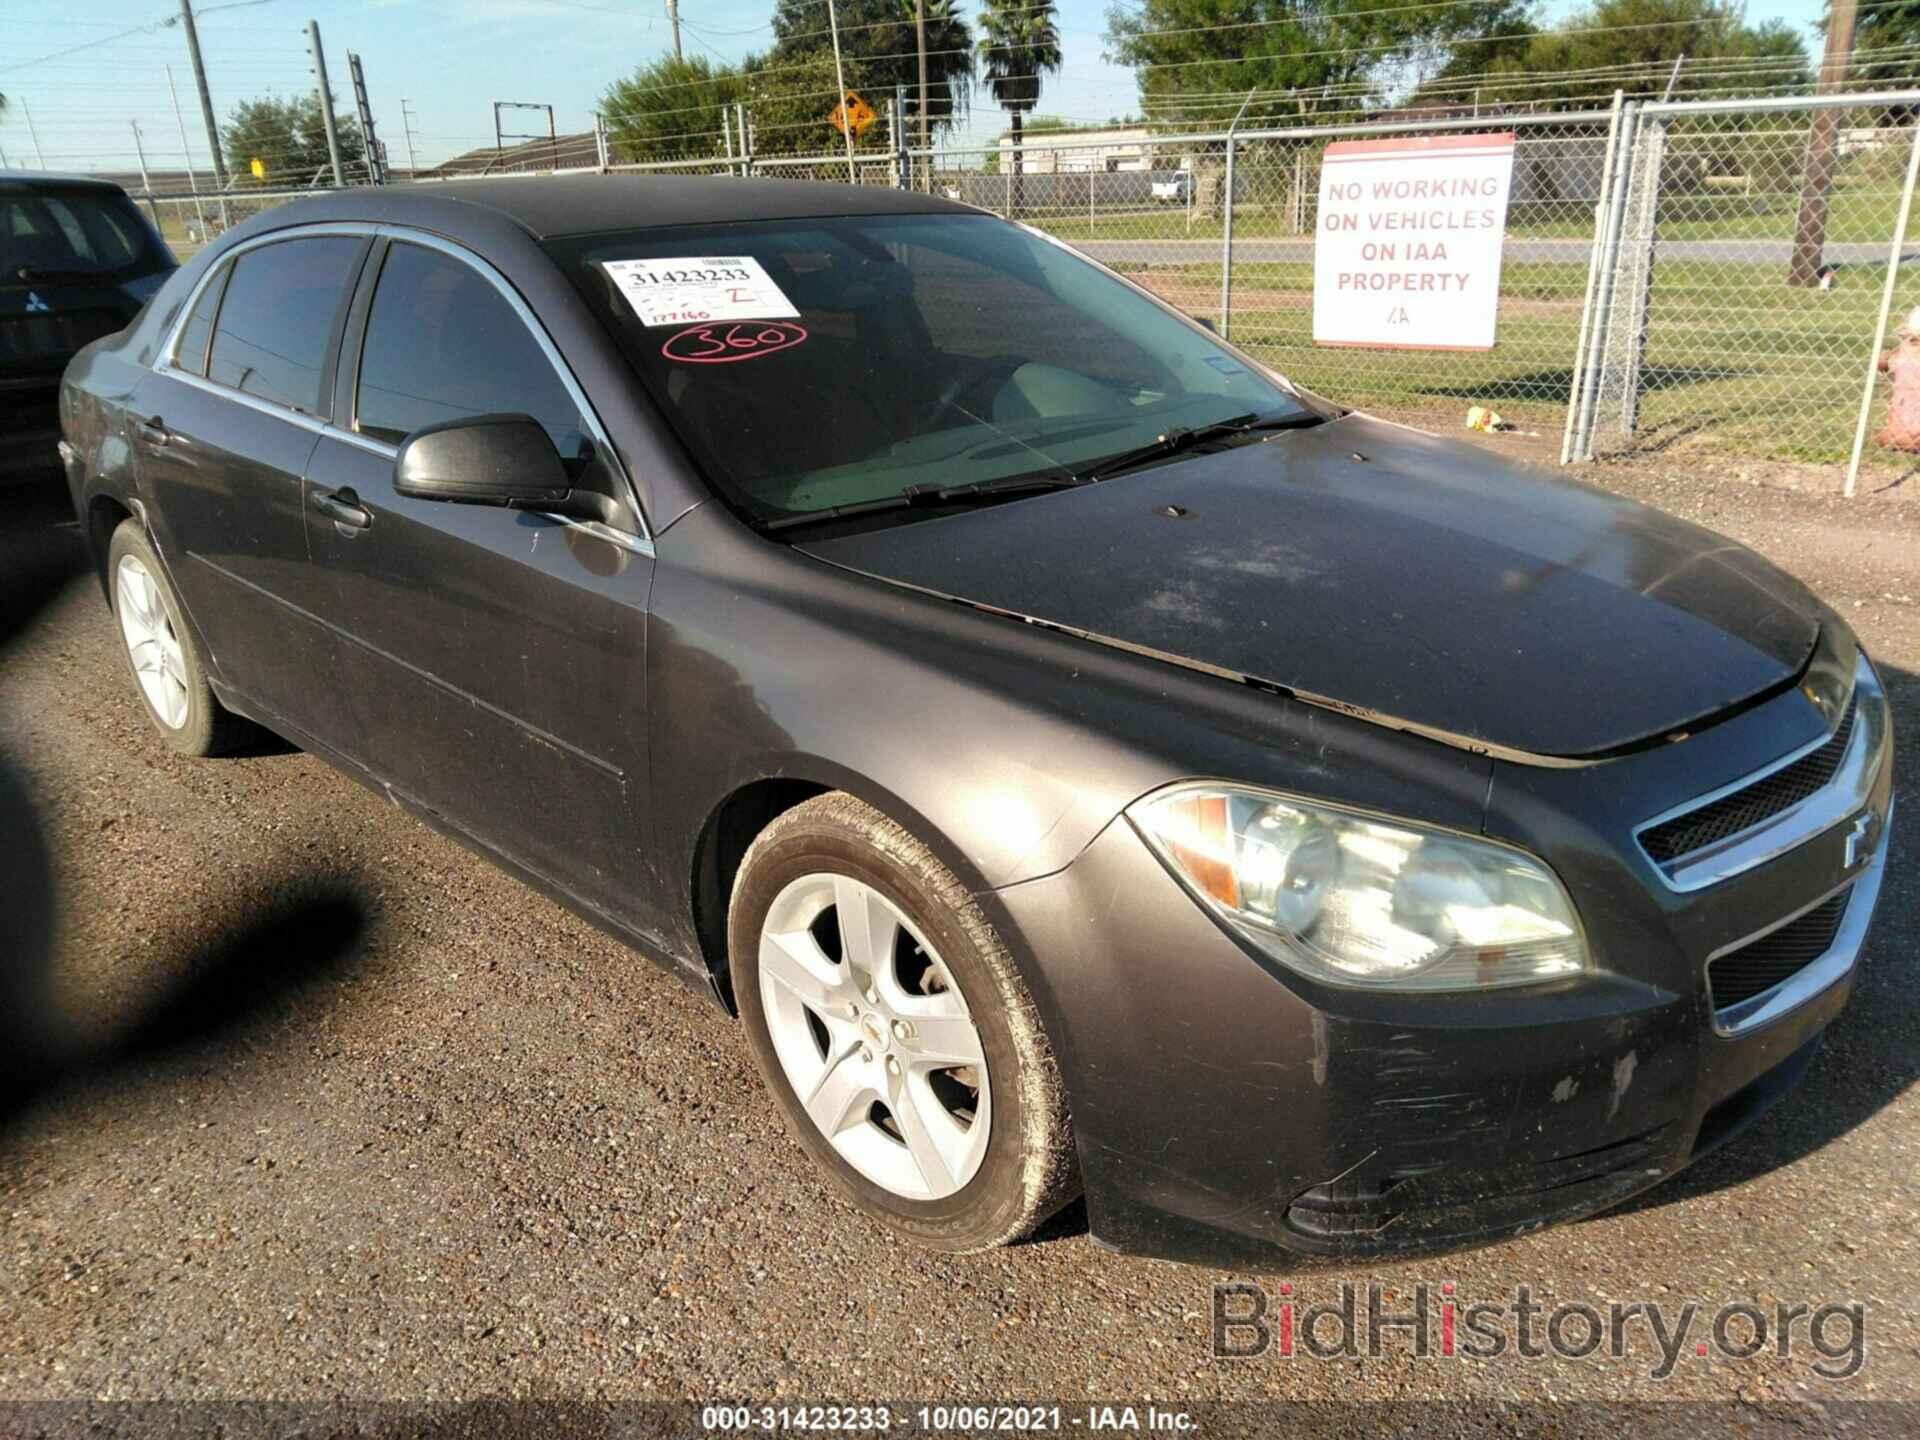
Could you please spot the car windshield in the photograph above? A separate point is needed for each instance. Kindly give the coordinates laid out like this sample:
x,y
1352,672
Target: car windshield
x,y
78,233
821,364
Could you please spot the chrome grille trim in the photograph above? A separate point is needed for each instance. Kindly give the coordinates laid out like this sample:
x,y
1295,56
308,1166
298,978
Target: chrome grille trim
x,y
1842,798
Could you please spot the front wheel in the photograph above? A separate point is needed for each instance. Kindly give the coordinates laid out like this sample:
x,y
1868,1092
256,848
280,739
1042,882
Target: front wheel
x,y
890,1023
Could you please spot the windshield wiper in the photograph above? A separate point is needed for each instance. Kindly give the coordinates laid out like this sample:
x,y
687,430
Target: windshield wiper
x,y
31,273
1173,442
924,496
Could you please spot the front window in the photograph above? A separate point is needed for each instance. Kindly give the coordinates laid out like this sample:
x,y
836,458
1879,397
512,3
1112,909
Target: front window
x,y
817,366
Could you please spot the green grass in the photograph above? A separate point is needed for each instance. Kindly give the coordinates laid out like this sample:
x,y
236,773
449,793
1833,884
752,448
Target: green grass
x,y
1735,356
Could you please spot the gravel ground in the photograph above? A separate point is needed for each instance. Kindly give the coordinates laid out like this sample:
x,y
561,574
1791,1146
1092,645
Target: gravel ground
x,y
492,1153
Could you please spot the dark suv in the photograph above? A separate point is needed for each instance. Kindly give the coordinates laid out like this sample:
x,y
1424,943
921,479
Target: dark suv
x,y
77,261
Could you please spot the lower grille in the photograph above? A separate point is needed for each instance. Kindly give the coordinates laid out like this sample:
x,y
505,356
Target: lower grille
x,y
1778,955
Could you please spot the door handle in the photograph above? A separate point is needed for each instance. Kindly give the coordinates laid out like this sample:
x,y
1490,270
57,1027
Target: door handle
x,y
342,507
153,430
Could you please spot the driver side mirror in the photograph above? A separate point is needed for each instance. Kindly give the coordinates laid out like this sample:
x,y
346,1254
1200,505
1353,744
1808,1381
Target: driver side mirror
x,y
484,460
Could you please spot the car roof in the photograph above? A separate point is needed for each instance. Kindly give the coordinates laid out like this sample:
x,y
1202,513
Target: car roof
x,y
52,180
557,205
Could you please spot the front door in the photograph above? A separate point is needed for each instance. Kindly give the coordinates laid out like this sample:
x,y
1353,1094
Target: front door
x,y
222,437
495,658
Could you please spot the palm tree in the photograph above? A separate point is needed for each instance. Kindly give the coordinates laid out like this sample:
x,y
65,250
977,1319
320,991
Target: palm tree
x,y
1019,42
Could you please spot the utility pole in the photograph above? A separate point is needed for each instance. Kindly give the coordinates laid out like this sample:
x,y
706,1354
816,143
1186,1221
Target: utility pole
x,y
186,156
673,16
920,38
34,134
376,169
406,125
206,98
1810,232
146,184
325,93
840,79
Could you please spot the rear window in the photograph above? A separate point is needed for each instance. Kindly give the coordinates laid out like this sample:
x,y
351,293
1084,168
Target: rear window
x,y
52,235
278,318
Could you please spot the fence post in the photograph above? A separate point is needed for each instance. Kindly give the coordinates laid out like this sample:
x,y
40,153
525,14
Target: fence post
x,y
743,128
1576,384
1886,307
903,167
1226,248
1644,213
1609,265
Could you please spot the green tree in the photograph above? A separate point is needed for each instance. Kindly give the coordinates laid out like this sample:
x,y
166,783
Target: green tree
x,y
670,109
289,140
1646,36
879,49
1019,44
1199,62
1886,40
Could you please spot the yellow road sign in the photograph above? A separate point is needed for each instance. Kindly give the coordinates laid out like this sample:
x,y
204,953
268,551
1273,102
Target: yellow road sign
x,y
852,115
259,168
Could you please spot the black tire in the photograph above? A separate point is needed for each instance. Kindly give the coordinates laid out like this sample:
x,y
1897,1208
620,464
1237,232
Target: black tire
x,y
1028,1169
208,728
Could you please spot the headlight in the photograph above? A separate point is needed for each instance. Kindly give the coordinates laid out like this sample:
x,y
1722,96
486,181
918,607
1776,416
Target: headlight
x,y
1349,899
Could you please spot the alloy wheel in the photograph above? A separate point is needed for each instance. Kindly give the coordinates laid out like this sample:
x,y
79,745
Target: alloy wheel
x,y
875,1037
152,643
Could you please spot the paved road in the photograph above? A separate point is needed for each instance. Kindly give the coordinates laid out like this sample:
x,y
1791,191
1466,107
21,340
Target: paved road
x,y
1570,252
492,1153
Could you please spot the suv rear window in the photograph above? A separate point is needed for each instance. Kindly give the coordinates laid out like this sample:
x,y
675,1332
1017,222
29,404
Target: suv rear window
x,y
52,235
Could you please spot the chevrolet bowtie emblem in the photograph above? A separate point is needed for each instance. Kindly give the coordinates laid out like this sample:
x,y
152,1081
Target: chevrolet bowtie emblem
x,y
1860,838
35,305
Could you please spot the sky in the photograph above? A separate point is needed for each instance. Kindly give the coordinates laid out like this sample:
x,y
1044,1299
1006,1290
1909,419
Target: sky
x,y
449,59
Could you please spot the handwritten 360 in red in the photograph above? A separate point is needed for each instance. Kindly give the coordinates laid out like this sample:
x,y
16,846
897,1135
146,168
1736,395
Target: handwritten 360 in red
x,y
723,344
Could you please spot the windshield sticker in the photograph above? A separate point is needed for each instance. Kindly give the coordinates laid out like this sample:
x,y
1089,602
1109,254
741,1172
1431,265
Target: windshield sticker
x,y
681,290
1224,364
723,344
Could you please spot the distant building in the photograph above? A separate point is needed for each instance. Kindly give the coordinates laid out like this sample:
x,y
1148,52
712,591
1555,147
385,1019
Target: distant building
x,y
1119,148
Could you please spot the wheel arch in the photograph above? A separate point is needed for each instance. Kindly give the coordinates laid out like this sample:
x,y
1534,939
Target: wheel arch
x,y
750,805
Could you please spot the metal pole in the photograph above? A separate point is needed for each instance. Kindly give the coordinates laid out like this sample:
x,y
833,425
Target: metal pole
x,y
1886,307
743,127
840,79
186,154
325,92
33,133
1576,386
146,184
673,16
206,97
903,165
363,108
920,37
1226,248
1674,78
406,125
1603,292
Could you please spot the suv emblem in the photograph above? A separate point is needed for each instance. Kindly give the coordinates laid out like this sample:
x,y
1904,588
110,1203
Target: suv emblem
x,y
1860,839
35,305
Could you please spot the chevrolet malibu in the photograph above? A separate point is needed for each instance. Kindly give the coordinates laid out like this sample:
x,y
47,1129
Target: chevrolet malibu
x,y
1081,757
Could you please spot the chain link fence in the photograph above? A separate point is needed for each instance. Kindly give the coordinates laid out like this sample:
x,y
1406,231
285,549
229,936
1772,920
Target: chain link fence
x,y
1663,281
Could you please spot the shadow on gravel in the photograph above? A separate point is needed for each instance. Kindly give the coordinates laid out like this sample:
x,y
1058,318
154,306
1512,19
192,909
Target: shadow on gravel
x,y
263,956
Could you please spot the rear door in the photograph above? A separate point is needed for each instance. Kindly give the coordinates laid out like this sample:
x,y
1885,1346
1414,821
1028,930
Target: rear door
x,y
223,431
495,657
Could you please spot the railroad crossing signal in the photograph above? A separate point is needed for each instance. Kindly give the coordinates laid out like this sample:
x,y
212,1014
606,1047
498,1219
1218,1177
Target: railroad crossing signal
x,y
852,115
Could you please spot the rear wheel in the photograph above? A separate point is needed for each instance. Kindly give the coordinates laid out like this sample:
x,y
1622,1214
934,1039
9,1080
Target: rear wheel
x,y
891,1025
162,654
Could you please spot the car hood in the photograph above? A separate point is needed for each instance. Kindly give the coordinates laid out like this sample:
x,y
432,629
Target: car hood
x,y
1414,580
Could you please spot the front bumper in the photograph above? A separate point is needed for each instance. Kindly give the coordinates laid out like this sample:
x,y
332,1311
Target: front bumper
x,y
1229,1111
